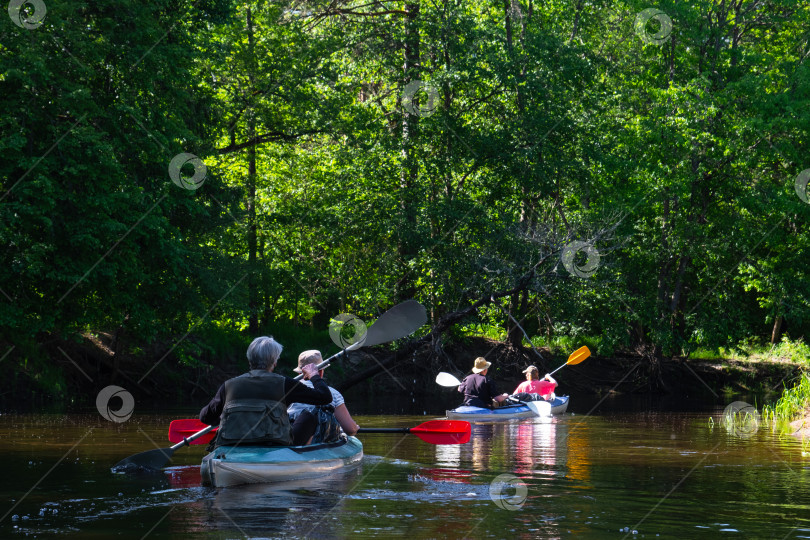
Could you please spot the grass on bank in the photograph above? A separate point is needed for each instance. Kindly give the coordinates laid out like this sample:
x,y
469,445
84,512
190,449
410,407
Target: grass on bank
x,y
793,404
786,350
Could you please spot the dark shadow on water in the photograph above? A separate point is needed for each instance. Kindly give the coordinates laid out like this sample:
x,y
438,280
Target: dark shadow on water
x,y
435,404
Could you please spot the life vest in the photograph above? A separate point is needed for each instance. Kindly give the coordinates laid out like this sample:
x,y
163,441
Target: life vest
x,y
254,412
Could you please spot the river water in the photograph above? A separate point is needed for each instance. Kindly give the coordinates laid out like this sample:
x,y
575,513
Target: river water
x,y
607,475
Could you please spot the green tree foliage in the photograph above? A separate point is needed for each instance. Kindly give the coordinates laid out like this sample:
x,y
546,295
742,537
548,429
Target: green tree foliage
x,y
96,235
363,152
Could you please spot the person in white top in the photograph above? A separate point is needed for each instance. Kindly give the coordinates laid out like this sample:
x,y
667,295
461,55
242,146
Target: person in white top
x,y
341,412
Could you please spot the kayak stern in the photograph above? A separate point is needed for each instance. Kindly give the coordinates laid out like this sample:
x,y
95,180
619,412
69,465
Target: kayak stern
x,y
234,465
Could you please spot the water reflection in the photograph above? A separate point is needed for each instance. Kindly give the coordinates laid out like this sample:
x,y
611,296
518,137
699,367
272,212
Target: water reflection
x,y
307,507
668,474
449,455
184,476
553,446
535,445
579,453
486,443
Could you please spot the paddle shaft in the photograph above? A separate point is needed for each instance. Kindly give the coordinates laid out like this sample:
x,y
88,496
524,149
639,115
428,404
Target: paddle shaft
x,y
384,430
558,369
576,357
432,431
188,440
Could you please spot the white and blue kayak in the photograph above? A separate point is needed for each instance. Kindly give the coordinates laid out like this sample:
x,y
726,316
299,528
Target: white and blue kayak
x,y
509,412
234,465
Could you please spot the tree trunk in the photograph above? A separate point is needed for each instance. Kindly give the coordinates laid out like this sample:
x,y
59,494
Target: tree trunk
x,y
577,15
777,330
410,166
253,296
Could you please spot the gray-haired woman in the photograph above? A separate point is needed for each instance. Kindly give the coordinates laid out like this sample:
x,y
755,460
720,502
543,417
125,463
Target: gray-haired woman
x,y
251,409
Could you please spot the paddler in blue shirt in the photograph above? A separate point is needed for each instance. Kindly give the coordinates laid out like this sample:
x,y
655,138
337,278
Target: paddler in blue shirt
x,y
251,409
478,390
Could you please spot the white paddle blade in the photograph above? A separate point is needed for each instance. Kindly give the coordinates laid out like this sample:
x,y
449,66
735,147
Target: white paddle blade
x,y
446,379
540,408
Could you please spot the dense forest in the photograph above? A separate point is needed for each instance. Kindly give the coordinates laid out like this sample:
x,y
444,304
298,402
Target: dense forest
x,y
180,174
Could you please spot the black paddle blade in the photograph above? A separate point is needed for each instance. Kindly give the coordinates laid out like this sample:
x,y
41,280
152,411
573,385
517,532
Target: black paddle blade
x,y
401,320
151,459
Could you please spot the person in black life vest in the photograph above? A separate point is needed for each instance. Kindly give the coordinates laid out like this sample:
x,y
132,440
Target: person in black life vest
x,y
251,409
478,390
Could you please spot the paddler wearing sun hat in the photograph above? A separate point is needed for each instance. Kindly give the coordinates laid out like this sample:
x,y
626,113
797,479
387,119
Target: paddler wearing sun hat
x,y
335,412
478,390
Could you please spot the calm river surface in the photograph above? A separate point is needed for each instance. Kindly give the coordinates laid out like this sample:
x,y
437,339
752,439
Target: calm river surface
x,y
612,475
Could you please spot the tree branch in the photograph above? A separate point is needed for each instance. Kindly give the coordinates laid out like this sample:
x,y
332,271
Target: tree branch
x,y
444,324
272,136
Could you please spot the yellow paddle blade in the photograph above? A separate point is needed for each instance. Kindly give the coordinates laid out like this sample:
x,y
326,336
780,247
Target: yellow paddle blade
x,y
578,356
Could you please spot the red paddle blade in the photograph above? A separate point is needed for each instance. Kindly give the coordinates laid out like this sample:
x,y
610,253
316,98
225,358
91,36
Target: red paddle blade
x,y
180,429
443,431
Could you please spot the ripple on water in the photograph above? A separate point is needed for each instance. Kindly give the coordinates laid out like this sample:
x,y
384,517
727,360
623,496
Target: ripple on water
x,y
424,489
61,517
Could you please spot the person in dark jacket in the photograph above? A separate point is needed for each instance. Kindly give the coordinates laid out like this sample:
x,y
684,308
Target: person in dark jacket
x,y
478,390
251,409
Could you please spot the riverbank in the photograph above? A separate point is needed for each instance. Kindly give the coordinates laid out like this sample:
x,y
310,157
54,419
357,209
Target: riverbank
x,y
630,373
158,376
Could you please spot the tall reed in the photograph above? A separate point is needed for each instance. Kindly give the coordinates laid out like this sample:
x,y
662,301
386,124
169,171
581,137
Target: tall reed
x,y
790,406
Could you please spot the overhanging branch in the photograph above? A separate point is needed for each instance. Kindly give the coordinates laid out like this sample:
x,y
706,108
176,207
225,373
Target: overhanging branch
x,y
443,324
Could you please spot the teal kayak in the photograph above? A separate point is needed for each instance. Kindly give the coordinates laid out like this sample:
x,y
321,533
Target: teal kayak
x,y
509,412
234,465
